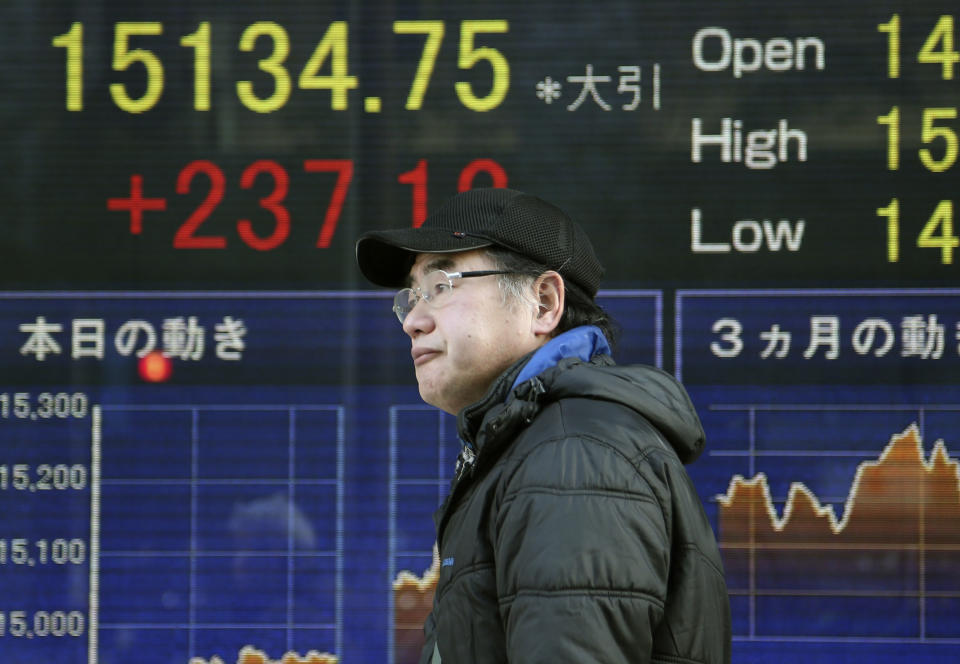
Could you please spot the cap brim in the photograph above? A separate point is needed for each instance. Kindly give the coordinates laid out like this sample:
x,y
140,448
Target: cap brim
x,y
385,257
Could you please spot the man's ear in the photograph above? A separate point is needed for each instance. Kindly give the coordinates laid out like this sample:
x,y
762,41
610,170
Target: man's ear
x,y
549,293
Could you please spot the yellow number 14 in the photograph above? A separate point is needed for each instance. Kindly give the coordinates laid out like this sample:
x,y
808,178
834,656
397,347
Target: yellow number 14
x,y
937,233
937,49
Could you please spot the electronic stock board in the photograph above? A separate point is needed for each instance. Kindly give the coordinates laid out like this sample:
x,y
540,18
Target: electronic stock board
x,y
211,444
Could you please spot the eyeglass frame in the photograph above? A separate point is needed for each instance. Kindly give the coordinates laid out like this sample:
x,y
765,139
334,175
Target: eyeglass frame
x,y
420,295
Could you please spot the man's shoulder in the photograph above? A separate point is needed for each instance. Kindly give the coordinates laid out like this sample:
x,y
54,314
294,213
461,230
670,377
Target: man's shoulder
x,y
580,434
591,420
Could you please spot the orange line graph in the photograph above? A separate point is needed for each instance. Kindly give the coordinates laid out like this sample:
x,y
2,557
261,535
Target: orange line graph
x,y
886,565
412,602
894,502
250,655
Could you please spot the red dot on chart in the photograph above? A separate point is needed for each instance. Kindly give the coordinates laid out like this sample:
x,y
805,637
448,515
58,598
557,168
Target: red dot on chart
x,y
155,367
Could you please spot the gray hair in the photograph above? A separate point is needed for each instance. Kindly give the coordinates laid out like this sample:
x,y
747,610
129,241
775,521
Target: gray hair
x,y
579,308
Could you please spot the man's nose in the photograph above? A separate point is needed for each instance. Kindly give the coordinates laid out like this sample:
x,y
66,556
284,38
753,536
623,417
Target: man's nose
x,y
419,320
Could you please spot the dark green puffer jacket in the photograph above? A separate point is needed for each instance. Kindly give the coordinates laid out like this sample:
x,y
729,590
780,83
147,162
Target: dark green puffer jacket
x,y
575,534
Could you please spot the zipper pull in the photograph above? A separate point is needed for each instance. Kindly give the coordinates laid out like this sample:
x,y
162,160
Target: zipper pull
x,y
464,461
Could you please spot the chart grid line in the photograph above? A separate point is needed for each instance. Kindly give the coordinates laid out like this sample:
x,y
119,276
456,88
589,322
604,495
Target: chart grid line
x,y
391,532
340,542
193,554
94,591
291,497
440,482
194,473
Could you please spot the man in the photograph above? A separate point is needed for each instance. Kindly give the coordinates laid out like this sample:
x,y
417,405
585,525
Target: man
x,y
572,533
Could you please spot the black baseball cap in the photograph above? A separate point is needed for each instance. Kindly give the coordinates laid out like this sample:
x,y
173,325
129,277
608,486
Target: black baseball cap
x,y
479,218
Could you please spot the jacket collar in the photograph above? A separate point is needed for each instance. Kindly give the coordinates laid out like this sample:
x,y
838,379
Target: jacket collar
x,y
470,418
583,343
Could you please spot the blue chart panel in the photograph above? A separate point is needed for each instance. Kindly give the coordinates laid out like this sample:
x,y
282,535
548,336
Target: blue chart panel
x,y
188,475
833,432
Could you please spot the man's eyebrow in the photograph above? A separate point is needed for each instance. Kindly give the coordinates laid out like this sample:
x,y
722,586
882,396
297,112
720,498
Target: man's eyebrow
x,y
442,263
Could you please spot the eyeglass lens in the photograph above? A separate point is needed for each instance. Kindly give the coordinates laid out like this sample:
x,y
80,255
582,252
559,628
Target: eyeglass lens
x,y
432,289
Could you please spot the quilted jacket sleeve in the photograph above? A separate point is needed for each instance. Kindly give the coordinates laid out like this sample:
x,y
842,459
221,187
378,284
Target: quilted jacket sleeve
x,y
583,555
430,640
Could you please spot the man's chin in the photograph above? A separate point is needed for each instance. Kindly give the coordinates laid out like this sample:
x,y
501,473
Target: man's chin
x,y
434,397
429,395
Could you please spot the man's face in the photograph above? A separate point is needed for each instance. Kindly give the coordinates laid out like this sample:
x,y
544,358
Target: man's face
x,y
460,348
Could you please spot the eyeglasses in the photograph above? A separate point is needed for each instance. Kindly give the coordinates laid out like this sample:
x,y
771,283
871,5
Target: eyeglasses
x,y
435,289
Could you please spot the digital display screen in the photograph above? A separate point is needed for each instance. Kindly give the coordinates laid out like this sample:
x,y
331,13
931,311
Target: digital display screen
x,y
212,448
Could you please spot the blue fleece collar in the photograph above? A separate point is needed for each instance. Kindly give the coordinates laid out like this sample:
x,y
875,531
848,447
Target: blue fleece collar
x,y
583,342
